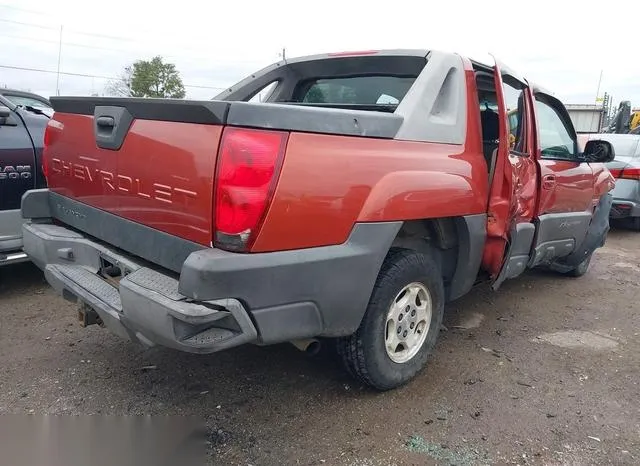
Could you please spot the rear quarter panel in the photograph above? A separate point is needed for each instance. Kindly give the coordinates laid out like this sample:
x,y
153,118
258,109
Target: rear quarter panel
x,y
328,183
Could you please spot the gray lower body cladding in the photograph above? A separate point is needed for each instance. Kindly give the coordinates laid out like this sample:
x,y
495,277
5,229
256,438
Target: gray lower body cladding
x,y
596,234
301,293
219,300
160,248
203,300
558,235
214,299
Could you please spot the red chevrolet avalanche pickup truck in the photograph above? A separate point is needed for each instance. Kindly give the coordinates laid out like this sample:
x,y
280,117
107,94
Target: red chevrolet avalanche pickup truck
x,y
342,197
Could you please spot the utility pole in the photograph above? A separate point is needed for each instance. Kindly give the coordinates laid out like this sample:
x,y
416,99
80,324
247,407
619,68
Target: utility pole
x,y
59,58
284,54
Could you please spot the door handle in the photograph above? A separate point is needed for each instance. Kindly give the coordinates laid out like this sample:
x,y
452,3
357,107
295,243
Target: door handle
x,y
548,181
110,126
106,121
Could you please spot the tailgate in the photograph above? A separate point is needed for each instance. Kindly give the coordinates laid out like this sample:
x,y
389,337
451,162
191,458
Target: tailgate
x,y
151,161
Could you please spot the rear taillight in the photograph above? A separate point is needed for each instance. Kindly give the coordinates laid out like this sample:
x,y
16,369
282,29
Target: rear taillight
x,y
249,162
626,173
630,174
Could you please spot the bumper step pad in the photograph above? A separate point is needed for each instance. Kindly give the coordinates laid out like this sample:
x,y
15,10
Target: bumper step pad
x,y
148,307
88,280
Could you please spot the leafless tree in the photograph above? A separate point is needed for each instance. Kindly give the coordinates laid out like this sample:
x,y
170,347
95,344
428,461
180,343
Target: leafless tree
x,y
121,87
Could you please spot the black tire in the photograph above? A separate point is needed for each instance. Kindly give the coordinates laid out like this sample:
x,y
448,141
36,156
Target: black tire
x,y
582,268
635,223
363,353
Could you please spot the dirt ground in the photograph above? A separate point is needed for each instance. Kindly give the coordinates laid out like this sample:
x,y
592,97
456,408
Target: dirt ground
x,y
545,371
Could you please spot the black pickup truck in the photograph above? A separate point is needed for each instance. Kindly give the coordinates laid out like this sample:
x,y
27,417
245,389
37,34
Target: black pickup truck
x,y
21,141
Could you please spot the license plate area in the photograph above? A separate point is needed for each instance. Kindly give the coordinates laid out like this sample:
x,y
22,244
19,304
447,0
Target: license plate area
x,y
112,270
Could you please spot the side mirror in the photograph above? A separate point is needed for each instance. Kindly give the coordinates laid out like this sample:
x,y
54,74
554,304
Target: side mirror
x,y
5,113
598,151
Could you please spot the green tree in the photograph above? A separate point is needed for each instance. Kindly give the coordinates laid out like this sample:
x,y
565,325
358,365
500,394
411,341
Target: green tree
x,y
149,78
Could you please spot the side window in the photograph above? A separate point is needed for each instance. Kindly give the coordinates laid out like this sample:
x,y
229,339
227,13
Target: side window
x,y
556,140
263,94
328,92
385,99
513,91
357,90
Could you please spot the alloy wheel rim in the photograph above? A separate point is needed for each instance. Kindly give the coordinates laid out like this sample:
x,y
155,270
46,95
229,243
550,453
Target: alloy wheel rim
x,y
408,322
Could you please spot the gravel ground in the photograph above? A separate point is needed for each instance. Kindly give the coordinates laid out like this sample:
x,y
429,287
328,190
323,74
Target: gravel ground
x,y
545,371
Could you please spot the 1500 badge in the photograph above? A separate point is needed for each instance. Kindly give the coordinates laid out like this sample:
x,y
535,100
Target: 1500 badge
x,y
15,172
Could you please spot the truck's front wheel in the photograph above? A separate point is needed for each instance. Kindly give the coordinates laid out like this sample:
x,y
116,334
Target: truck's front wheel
x,y
401,324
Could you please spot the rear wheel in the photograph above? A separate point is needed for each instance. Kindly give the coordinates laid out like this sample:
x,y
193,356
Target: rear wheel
x,y
635,223
401,324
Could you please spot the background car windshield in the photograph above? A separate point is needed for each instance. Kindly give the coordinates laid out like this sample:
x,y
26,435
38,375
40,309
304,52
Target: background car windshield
x,y
31,102
28,101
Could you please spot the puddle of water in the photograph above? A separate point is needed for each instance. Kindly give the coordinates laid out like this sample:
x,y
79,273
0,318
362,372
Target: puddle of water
x,y
578,339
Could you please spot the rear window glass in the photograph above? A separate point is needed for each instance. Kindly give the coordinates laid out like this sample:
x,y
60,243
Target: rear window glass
x,y
364,90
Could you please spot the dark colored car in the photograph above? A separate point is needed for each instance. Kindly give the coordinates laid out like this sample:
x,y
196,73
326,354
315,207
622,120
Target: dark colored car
x,y
21,141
